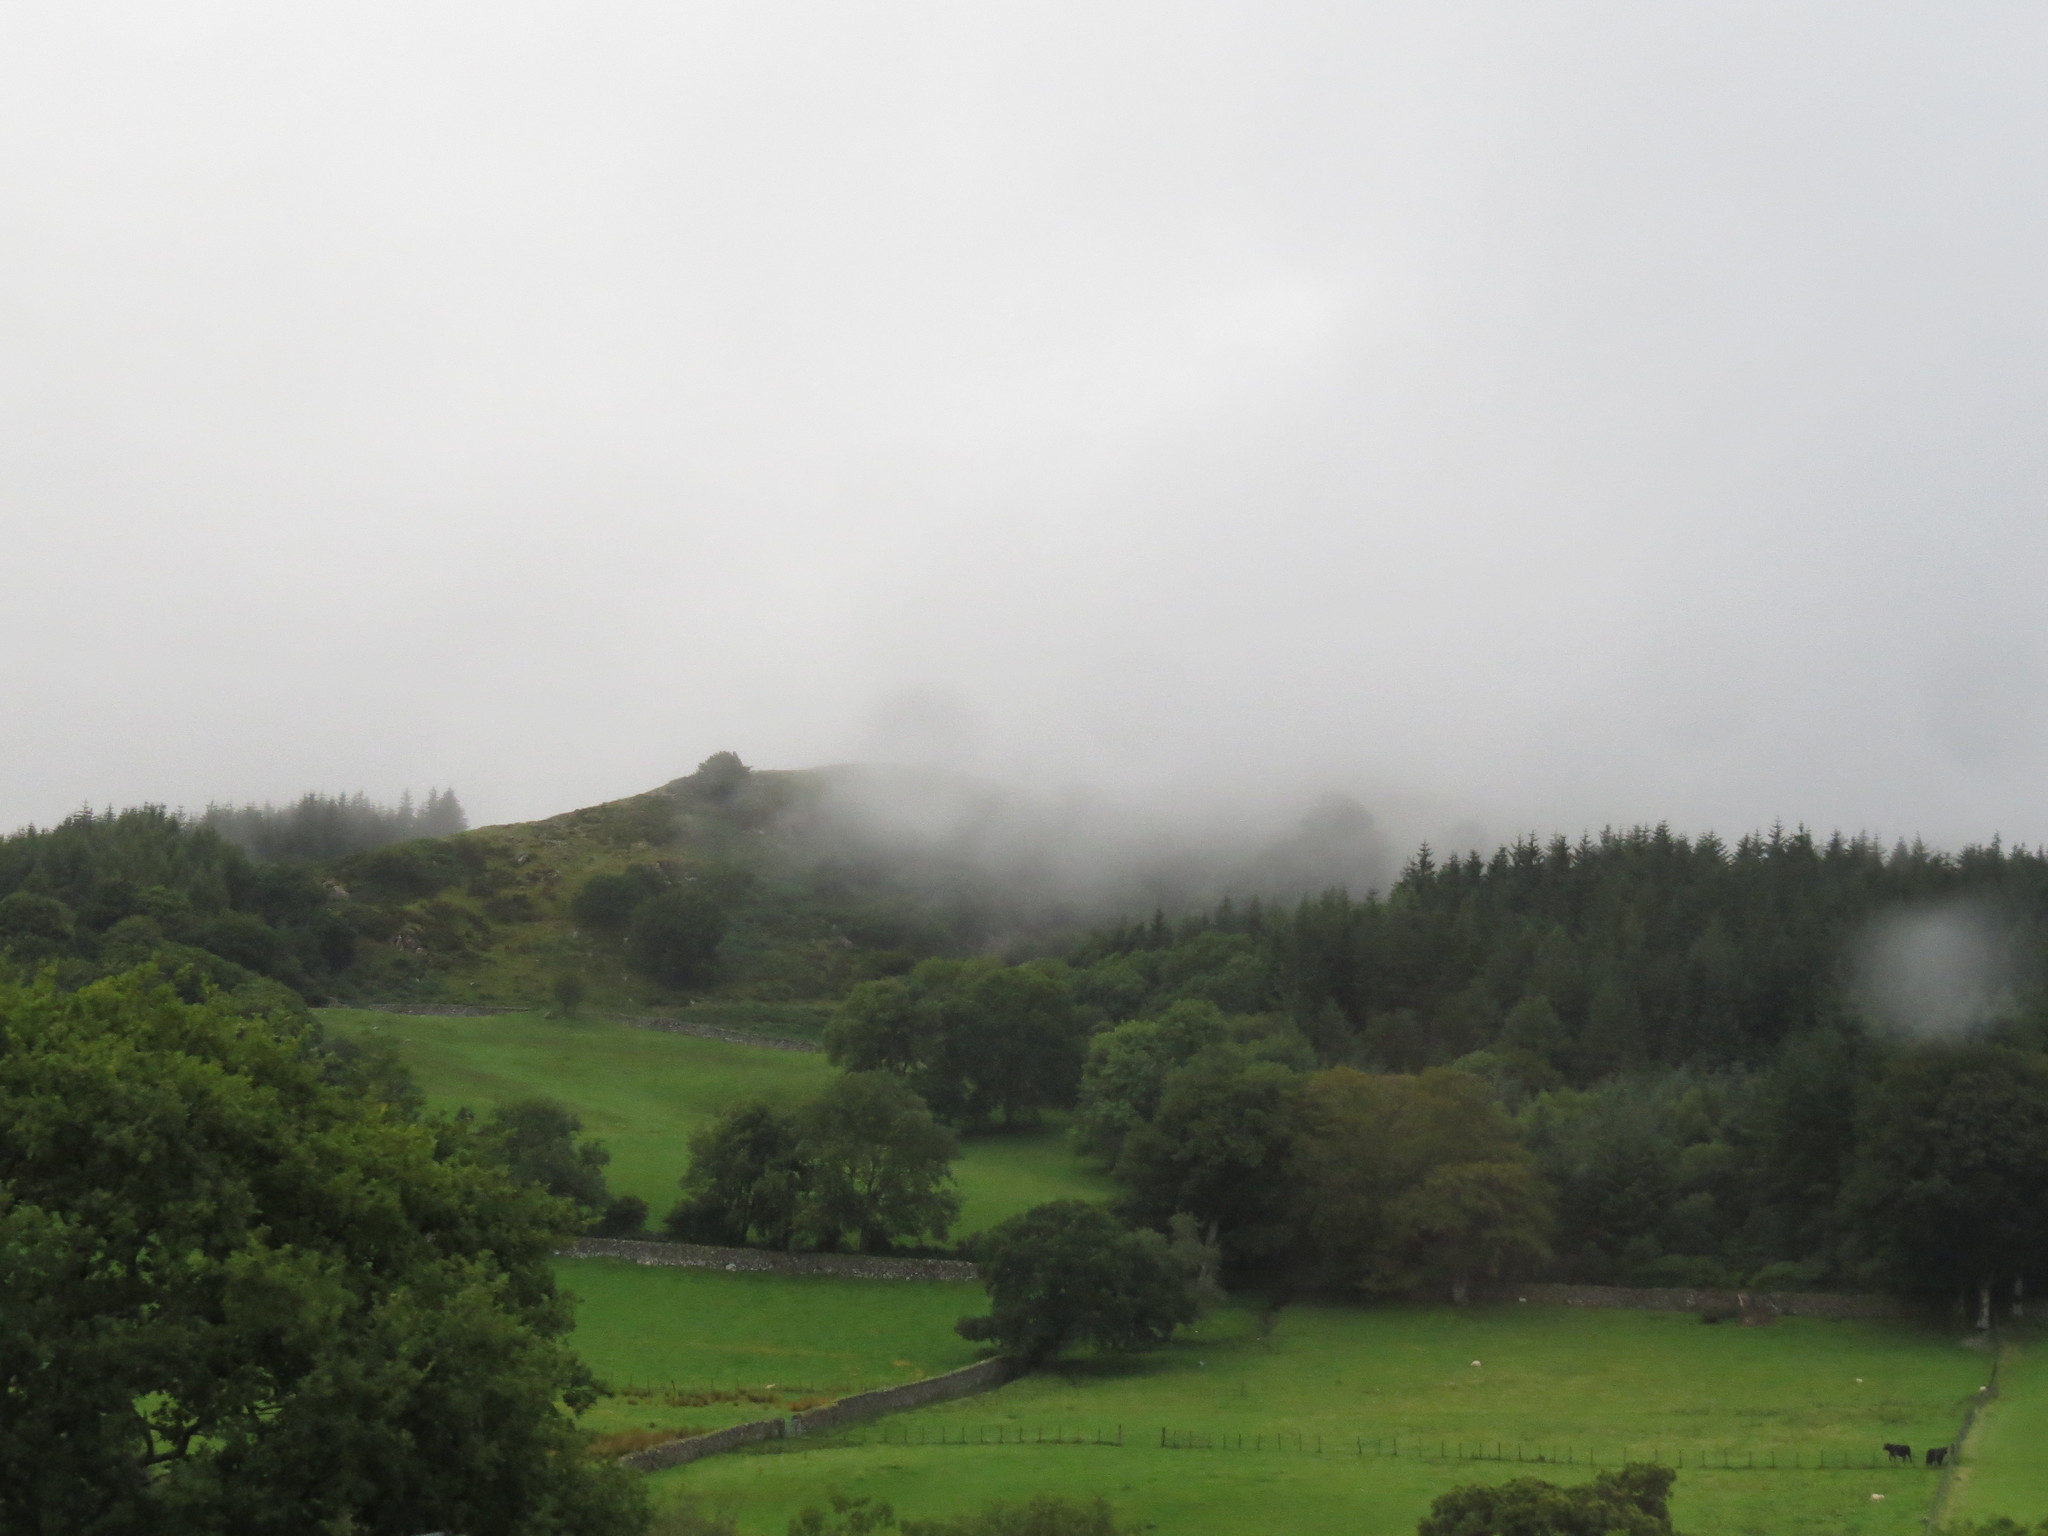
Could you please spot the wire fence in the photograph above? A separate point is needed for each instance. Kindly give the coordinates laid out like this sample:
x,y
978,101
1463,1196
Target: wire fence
x,y
1402,1447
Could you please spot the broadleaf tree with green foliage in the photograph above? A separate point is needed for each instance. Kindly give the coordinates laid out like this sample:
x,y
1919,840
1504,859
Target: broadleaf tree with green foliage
x,y
981,1042
877,1166
242,1290
1068,1273
1951,1182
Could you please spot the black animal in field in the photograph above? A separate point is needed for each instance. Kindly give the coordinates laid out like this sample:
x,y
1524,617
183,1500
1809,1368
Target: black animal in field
x,y
1937,1455
1899,1453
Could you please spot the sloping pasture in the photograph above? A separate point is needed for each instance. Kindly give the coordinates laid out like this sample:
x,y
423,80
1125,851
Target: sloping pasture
x,y
642,1092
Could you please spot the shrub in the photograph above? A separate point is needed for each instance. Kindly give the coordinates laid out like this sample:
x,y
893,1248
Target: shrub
x,y
626,1216
607,902
1631,1502
673,937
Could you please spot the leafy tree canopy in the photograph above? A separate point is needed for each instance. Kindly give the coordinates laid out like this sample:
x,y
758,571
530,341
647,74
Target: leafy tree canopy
x,y
1952,1181
876,1164
745,1180
979,1041
241,1291
1068,1273
536,1140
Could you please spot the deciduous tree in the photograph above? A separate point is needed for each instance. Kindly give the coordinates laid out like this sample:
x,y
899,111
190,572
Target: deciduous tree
x,y
1069,1273
876,1165
238,1294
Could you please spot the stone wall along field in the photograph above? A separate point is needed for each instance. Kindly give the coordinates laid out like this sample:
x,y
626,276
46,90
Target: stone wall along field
x,y
1694,1299
964,1382
770,1261
676,1453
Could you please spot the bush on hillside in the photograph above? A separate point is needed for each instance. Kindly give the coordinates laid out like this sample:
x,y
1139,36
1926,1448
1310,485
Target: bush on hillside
x,y
607,902
673,938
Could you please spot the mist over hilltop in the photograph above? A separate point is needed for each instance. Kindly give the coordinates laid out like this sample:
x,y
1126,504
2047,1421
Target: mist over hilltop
x,y
1039,861
1553,419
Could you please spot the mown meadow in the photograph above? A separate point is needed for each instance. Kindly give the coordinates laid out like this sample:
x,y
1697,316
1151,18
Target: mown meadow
x,y
1265,1412
2004,1470
690,1349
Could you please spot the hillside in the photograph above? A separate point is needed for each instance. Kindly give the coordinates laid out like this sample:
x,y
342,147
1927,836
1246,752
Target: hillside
x,y
817,878
487,916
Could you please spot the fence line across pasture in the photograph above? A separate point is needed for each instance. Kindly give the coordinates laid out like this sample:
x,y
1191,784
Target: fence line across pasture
x,y
1402,1447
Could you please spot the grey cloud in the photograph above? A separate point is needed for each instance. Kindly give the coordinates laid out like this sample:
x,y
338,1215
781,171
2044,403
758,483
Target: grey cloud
x,y
1504,416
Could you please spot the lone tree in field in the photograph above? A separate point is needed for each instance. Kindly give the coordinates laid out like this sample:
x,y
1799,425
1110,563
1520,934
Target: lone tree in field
x,y
1067,1273
1631,1502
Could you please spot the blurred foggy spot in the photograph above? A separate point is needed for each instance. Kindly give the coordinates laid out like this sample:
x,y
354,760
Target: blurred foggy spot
x,y
1937,971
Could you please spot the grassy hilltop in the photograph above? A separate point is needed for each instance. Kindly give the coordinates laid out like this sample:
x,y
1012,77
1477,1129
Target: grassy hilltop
x,y
811,901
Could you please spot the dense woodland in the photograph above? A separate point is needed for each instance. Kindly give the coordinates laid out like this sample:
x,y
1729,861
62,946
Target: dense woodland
x,y
1640,1058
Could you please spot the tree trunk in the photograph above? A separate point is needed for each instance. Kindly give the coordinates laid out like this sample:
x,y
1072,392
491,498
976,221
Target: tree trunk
x,y
1984,1305
1461,1289
2019,1296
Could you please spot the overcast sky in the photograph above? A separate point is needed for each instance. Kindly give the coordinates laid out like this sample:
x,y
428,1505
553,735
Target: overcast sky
x,y
1516,415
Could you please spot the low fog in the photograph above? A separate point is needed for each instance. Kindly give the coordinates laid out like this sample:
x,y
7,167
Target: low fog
x,y
1034,865
1471,417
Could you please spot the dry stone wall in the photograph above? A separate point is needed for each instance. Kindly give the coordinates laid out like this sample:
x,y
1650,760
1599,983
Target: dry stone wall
x,y
676,1453
854,1266
965,1382
1695,1299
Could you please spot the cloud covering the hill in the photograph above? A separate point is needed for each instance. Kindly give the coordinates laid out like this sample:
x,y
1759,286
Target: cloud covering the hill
x,y
1504,416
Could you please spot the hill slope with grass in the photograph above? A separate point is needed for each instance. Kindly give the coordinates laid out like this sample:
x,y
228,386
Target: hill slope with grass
x,y
643,1091
807,896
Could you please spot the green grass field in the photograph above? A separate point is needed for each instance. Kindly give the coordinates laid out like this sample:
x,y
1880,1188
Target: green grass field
x,y
782,1338
1553,1381
2004,1470
642,1092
